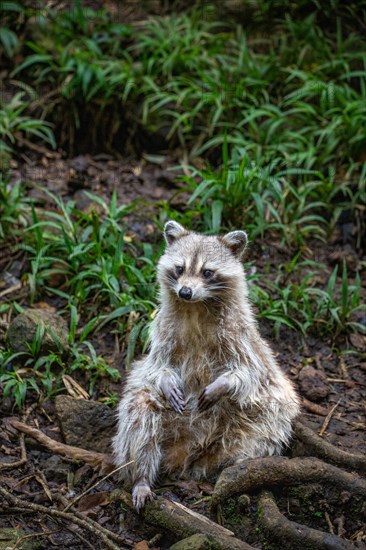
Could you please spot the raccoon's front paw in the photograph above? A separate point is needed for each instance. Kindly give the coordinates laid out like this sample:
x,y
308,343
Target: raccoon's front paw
x,y
172,393
213,392
141,493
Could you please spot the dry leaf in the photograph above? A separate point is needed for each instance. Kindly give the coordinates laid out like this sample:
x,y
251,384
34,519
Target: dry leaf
x,y
359,341
73,388
44,305
91,501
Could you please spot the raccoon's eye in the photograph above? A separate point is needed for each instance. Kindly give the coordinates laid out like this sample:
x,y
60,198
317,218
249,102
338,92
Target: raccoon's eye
x,y
180,269
207,273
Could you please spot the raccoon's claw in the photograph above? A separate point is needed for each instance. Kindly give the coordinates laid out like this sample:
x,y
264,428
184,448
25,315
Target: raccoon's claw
x,y
173,394
140,494
205,401
212,393
176,400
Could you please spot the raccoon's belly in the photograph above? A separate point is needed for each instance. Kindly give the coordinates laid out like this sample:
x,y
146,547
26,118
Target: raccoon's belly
x,y
198,444
197,373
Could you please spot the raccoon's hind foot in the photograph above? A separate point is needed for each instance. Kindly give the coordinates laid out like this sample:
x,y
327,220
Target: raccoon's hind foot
x,y
172,393
141,492
213,392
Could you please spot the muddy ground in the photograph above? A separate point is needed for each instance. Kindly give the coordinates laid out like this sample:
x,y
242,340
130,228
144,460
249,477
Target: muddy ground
x,y
323,376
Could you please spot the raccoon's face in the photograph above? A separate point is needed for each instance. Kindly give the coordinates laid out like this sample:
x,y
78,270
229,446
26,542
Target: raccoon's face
x,y
198,268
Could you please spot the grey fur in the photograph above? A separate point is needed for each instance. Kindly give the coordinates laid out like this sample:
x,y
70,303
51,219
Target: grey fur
x,y
210,391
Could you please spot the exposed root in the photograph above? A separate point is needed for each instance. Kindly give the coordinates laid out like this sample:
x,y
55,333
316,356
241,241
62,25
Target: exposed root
x,y
318,447
314,407
290,534
101,461
173,516
183,522
85,523
275,471
248,476
121,539
23,453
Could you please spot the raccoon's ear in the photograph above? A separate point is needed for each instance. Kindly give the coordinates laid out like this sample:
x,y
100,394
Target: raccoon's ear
x,y
236,241
173,230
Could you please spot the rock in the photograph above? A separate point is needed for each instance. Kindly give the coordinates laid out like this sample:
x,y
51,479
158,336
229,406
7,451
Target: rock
x,y
56,469
10,537
23,329
196,542
86,424
313,383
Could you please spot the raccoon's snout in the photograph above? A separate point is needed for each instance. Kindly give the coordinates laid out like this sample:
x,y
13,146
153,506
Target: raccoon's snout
x,y
185,293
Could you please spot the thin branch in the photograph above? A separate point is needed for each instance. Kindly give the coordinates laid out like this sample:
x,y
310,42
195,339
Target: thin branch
x,y
84,523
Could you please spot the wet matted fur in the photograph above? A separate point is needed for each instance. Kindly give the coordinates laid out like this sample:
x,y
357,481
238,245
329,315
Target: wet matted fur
x,y
210,391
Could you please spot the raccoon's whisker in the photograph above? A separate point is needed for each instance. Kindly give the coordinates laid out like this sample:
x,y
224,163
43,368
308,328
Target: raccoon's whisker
x,y
216,300
222,287
206,306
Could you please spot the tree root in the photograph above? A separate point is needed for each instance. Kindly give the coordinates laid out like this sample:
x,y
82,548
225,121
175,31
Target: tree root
x,y
85,523
23,453
278,470
318,447
175,517
183,522
290,534
248,476
314,408
97,460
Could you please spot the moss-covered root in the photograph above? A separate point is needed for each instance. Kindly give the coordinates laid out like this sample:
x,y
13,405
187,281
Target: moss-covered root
x,y
183,522
275,471
289,534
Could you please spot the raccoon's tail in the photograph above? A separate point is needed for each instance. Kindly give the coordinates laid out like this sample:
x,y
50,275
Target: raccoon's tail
x,y
139,436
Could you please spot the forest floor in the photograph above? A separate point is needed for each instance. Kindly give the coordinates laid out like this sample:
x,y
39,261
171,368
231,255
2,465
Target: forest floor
x,y
326,378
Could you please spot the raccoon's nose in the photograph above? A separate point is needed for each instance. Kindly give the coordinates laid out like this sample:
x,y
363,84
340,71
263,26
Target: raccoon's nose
x,y
185,293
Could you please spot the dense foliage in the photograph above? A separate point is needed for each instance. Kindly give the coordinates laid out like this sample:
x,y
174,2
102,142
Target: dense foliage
x,y
269,114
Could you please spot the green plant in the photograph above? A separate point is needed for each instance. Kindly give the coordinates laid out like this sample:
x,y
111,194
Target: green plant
x,y
14,208
96,268
42,373
294,300
337,307
245,194
14,124
9,41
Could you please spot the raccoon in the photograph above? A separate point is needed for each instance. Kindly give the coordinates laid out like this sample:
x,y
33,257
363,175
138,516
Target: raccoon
x,y
209,393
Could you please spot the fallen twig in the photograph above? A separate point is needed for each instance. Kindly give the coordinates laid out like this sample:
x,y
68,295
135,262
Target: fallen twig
x,y
273,471
114,536
293,534
53,512
328,419
95,484
314,407
23,452
33,535
317,446
10,290
329,522
38,148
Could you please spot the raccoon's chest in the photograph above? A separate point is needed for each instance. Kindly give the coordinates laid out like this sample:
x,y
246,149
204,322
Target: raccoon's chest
x,y
196,367
197,355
